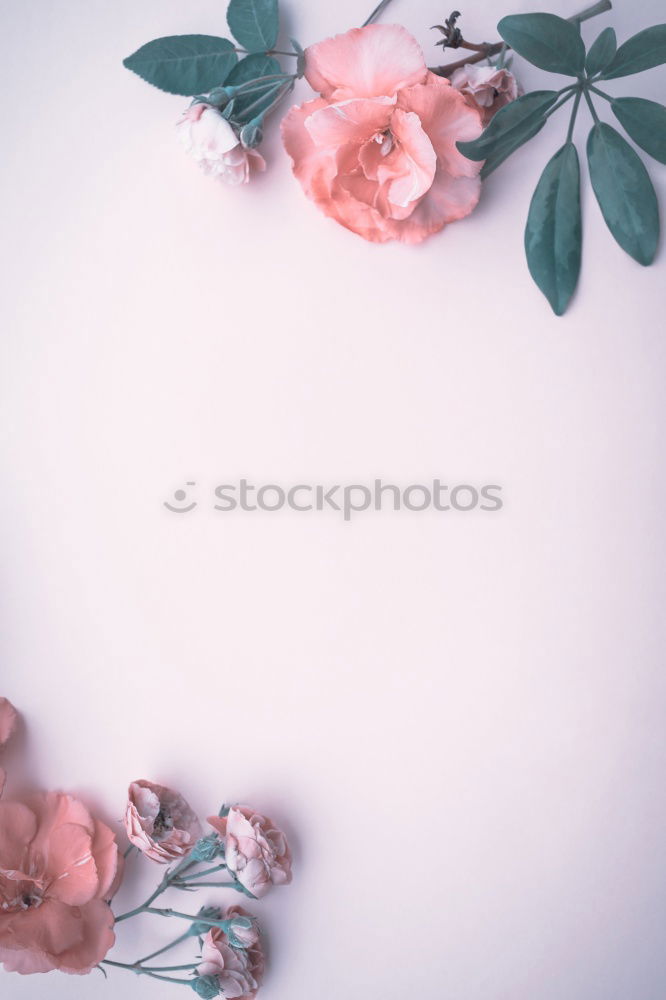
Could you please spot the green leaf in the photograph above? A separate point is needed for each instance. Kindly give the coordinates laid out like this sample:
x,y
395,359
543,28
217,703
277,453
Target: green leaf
x,y
602,52
254,23
503,150
645,122
253,68
624,191
553,235
511,122
642,51
184,64
545,40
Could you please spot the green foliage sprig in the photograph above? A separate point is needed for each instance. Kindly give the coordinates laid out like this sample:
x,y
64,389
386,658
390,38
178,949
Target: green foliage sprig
x,y
620,181
208,68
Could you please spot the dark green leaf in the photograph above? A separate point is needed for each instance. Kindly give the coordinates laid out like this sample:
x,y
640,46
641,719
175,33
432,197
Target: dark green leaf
x,y
645,122
184,64
642,51
503,150
252,68
254,23
624,191
553,235
545,40
602,52
511,124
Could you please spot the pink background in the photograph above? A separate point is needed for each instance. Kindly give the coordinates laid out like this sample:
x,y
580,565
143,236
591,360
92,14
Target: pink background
x,y
458,719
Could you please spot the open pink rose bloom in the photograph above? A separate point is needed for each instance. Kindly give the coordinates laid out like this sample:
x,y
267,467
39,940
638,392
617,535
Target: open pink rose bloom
x,y
59,867
238,971
377,151
160,822
255,851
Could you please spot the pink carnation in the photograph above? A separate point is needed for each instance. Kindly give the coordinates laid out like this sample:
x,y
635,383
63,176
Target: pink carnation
x,y
238,971
160,822
255,851
377,151
59,868
486,88
8,719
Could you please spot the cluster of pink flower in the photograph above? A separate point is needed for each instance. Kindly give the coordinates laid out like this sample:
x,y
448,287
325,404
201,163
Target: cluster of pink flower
x,y
376,151
60,869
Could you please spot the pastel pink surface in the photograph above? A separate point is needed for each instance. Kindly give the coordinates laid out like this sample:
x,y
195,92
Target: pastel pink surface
x,y
491,690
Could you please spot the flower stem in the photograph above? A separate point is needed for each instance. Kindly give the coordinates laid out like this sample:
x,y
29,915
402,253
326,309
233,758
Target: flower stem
x,y
595,90
206,871
194,918
574,114
138,971
591,106
492,50
169,877
167,947
377,12
559,104
589,12
215,885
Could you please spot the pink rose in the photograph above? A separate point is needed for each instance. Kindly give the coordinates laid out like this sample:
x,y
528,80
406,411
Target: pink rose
x,y
160,822
255,851
238,971
486,88
58,869
8,718
211,140
377,151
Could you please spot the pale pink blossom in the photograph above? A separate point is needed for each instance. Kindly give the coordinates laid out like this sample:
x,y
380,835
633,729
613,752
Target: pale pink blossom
x,y
238,971
255,850
160,822
486,88
59,868
377,151
8,719
209,138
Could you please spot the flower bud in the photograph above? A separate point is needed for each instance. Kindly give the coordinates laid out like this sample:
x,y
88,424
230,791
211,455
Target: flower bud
x,y
252,134
242,932
206,987
211,913
219,97
207,848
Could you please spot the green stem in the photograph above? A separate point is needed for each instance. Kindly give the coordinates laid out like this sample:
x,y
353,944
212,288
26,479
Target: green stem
x,y
596,90
269,52
280,90
147,972
590,105
206,871
169,877
167,947
559,104
172,968
574,113
194,918
593,11
377,12
215,885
